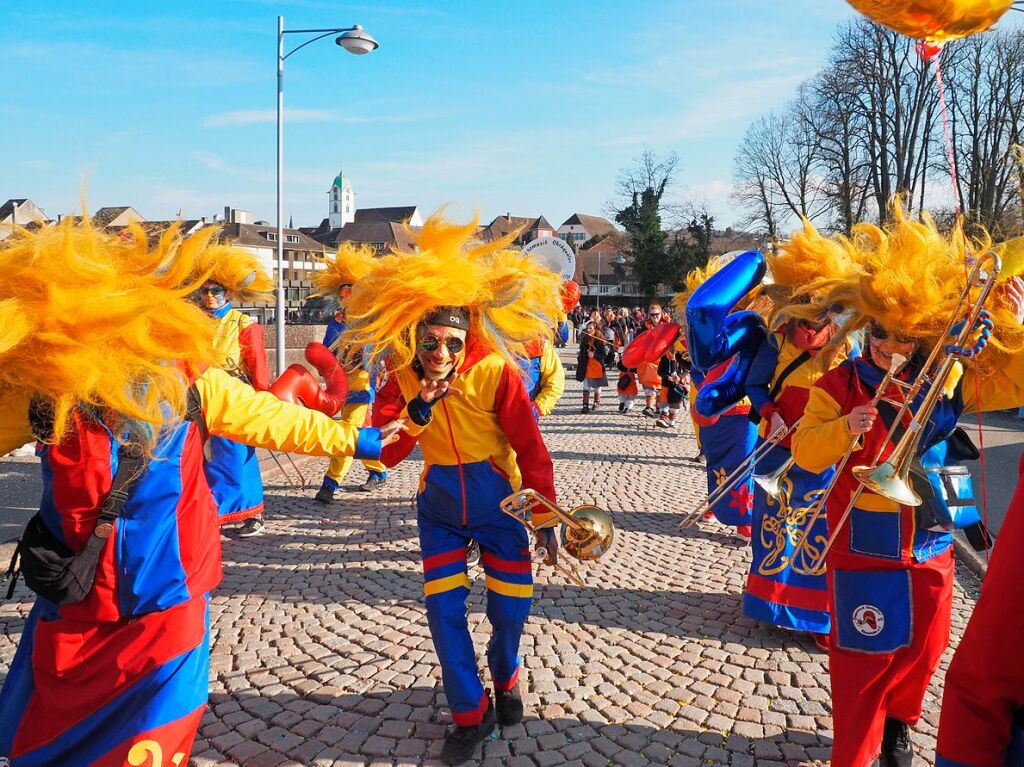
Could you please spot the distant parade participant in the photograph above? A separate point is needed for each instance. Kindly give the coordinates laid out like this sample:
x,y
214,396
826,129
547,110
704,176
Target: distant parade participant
x,y
112,667
590,365
647,372
788,363
726,439
626,386
232,468
674,370
334,283
890,581
453,317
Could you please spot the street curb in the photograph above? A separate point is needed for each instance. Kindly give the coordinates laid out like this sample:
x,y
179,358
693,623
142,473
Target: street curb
x,y
974,560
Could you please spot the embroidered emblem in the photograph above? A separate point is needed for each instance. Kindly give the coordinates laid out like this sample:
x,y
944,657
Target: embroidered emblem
x,y
868,620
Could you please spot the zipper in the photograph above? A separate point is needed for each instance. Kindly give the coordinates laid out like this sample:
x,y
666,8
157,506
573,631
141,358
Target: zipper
x,y
458,459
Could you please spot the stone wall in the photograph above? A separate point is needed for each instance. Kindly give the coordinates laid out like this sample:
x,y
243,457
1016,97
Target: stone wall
x,y
295,339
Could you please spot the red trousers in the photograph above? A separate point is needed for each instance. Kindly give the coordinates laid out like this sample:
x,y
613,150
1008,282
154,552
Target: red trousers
x,y
889,630
985,681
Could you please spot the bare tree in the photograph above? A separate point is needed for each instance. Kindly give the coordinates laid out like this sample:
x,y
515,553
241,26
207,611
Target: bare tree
x,y
986,99
753,188
650,171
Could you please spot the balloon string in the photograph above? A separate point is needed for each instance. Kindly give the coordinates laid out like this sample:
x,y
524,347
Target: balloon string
x,y
951,157
948,134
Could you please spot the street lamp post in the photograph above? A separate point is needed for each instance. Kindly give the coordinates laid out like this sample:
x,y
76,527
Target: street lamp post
x,y
355,41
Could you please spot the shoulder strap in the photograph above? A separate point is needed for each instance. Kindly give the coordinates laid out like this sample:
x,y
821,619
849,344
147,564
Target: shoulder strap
x,y
799,360
131,459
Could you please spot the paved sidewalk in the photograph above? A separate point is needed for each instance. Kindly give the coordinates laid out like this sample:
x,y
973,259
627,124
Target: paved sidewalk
x,y
321,654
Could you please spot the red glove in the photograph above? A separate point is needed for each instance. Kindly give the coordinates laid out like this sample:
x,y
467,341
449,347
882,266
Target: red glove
x,y
323,359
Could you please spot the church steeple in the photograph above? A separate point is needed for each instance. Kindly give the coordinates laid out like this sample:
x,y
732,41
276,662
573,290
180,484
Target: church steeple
x,y
341,201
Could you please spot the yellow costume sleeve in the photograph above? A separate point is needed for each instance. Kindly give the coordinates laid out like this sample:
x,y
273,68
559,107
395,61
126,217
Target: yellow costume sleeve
x,y
1000,388
234,410
15,430
823,436
552,377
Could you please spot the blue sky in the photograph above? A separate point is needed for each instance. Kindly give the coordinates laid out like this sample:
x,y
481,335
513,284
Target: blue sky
x,y
528,107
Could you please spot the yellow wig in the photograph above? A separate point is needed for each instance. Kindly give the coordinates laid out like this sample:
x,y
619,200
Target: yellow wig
x,y
96,320
239,271
511,300
351,263
907,277
804,270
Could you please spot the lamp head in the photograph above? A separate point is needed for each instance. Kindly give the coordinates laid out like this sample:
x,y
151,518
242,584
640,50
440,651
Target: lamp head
x,y
356,41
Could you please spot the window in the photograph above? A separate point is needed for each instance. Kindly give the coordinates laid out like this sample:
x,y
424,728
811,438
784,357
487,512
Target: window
x,y
579,236
272,236
291,238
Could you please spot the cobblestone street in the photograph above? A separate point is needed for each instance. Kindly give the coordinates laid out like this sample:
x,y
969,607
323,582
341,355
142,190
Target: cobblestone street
x,y
321,654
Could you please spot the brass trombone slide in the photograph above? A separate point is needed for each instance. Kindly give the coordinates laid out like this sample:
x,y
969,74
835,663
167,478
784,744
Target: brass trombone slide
x,y
897,361
737,474
587,535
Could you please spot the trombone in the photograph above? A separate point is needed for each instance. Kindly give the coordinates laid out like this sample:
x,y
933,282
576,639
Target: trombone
x,y
896,362
587,535
737,475
891,478
771,483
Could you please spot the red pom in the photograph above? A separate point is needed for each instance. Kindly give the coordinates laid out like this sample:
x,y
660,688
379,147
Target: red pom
x,y
570,295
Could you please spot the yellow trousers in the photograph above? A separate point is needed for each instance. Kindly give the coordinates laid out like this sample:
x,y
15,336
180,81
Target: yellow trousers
x,y
339,466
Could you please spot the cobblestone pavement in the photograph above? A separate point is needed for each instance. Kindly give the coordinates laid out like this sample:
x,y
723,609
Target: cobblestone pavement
x,y
321,654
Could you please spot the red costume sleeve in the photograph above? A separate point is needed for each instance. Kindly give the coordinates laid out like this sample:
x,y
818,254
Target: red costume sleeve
x,y
515,414
254,354
389,405
985,682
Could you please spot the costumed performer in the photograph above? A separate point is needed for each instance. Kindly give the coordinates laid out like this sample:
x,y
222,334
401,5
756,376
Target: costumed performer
x,y
890,580
232,468
453,317
647,372
590,365
334,282
726,439
102,361
787,364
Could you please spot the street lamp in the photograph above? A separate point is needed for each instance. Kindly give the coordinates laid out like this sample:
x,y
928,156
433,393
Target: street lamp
x,y
355,41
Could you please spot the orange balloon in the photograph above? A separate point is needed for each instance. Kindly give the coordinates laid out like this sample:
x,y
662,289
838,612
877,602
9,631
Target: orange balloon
x,y
570,295
934,20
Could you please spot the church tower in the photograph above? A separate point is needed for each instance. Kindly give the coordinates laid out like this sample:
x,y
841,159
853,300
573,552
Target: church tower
x,y
342,206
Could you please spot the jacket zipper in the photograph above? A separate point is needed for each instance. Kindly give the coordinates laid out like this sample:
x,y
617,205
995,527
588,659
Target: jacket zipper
x,y
458,459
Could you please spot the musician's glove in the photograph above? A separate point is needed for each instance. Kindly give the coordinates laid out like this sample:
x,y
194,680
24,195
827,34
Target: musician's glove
x,y
419,410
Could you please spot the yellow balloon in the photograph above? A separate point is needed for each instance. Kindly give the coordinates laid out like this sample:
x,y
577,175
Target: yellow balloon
x,y
934,20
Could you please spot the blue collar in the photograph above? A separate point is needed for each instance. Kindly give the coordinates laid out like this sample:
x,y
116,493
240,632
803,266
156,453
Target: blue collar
x,y
222,312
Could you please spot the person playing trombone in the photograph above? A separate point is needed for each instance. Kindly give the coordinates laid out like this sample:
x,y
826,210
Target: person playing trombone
x,y
890,579
787,364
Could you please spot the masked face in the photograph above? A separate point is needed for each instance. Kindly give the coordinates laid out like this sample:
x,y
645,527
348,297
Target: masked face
x,y
810,335
439,350
882,344
212,295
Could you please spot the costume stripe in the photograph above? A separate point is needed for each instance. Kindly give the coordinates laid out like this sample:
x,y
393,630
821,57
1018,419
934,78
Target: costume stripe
x,y
452,582
175,689
505,686
444,558
475,716
941,761
152,576
509,589
787,594
506,565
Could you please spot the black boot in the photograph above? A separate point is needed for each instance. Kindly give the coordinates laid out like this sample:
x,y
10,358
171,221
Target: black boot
x,y
896,748
325,494
461,742
509,704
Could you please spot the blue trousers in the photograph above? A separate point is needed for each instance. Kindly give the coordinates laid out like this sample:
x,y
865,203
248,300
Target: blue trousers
x,y
448,519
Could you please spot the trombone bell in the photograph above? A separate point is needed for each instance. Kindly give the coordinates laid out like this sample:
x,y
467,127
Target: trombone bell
x,y
772,483
886,481
593,537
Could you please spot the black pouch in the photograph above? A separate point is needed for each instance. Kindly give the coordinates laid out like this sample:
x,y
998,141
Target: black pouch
x,y
50,568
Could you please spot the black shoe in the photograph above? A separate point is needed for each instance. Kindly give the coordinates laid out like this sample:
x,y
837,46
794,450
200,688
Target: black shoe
x,y
622,407
650,412
596,403
585,409
509,705
251,527
472,554
373,482
462,742
325,494
897,750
